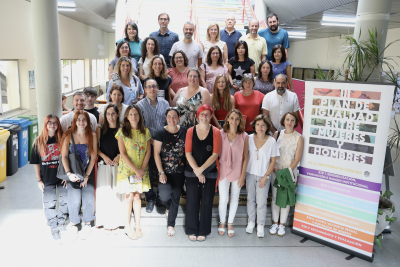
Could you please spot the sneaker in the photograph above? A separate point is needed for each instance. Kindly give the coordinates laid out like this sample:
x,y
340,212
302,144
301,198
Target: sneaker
x,y
250,227
273,229
260,230
281,230
61,226
72,231
85,231
56,235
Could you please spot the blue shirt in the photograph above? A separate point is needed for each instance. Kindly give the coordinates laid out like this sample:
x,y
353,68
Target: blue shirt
x,y
273,39
165,41
280,68
135,48
230,40
154,116
130,93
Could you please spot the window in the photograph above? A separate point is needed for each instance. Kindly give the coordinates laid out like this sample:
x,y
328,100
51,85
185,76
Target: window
x,y
98,71
72,75
9,86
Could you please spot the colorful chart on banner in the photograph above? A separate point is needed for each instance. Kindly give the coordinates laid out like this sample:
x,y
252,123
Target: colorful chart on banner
x,y
345,133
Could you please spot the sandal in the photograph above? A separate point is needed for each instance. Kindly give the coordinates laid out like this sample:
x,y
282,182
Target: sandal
x,y
171,232
201,238
131,234
231,233
221,231
192,238
139,232
166,213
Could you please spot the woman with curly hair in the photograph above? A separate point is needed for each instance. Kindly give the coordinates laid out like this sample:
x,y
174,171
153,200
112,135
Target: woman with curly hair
x,y
150,48
178,70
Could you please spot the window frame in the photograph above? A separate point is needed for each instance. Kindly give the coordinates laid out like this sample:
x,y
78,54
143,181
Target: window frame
x,y
72,78
19,90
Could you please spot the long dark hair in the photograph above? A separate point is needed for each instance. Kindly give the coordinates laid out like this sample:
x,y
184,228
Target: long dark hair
x,y
144,48
280,47
246,54
126,125
106,125
209,60
118,54
133,24
270,74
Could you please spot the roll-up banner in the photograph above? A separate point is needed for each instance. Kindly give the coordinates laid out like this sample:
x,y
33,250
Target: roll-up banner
x,y
345,131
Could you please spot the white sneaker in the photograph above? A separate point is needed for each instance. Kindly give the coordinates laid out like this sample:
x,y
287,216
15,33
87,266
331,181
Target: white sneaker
x,y
273,229
250,227
281,230
72,232
260,230
85,231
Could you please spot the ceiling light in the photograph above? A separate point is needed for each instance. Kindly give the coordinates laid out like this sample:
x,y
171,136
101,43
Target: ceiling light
x,y
297,33
338,19
66,9
296,36
66,4
338,24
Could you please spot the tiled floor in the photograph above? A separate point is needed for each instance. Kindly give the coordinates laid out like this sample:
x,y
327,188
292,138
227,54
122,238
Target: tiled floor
x,y
25,240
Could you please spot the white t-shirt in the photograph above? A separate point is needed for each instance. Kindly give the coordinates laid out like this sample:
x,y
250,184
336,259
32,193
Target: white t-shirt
x,y
278,105
193,51
146,65
66,121
121,115
259,161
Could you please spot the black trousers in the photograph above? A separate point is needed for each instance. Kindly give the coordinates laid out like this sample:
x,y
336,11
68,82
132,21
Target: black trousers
x,y
151,195
170,194
196,193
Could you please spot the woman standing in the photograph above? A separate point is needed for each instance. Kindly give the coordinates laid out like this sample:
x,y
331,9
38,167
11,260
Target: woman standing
x,y
290,144
65,109
123,50
211,67
280,65
150,48
44,156
233,164
222,101
178,70
133,90
133,174
239,65
248,101
117,97
213,39
203,144
265,80
169,155
132,37
158,72
108,201
190,98
262,158
80,190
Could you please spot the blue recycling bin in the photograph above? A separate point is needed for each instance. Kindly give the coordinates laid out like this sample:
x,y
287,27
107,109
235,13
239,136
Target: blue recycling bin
x,y
23,139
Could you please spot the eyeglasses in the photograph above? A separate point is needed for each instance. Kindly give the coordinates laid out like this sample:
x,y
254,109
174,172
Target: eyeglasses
x,y
52,123
178,58
152,86
193,77
208,115
163,19
215,54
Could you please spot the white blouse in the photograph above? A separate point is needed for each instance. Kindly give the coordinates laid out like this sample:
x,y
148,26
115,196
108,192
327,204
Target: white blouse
x,y
260,159
121,115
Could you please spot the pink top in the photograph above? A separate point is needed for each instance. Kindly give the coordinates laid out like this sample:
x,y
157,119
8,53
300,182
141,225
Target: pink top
x,y
211,74
231,157
179,80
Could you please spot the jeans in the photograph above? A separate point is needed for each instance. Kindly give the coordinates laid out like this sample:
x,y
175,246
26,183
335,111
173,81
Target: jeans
x,y
53,216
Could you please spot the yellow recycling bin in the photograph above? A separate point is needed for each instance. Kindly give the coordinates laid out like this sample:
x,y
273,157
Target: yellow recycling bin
x,y
4,134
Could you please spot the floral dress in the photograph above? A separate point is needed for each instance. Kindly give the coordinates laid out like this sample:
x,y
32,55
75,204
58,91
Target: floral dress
x,y
188,108
136,150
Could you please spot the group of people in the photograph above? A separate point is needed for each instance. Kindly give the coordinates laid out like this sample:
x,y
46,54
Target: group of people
x,y
216,126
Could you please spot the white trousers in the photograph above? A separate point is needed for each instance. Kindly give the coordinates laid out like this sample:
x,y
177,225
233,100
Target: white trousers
x,y
223,188
277,212
109,204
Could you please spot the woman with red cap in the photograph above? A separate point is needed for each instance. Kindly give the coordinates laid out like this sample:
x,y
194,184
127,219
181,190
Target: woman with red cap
x,y
203,144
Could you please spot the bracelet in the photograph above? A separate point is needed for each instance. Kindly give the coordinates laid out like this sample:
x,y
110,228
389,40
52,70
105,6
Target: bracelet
x,y
87,176
160,173
268,176
38,179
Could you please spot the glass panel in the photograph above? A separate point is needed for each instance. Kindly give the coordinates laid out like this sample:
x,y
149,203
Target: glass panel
x,y
9,86
66,76
94,71
100,70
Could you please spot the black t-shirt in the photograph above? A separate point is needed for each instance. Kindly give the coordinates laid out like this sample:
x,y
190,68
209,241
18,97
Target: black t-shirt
x,y
95,112
108,143
48,162
239,66
163,85
172,150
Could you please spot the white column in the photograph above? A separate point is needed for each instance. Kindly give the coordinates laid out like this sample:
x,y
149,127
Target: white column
x,y
371,15
46,47
260,9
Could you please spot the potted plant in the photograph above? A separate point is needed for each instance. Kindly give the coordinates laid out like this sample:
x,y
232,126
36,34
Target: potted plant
x,y
385,216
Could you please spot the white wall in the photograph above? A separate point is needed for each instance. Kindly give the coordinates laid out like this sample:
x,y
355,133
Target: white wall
x,y
77,41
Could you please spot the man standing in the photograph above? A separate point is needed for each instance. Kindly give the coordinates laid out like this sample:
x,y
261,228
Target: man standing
x,y
153,110
257,45
275,35
79,103
229,35
165,37
278,102
91,96
192,49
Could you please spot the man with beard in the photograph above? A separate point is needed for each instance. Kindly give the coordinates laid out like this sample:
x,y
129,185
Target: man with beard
x,y
192,49
278,102
275,35
257,45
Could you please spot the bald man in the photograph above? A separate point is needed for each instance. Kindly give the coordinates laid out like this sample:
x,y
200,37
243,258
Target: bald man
x,y
229,35
257,45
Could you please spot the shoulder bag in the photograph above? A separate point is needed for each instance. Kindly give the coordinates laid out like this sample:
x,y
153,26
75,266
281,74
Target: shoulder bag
x,y
75,164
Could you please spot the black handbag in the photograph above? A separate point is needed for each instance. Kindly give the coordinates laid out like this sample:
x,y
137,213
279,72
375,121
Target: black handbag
x,y
75,165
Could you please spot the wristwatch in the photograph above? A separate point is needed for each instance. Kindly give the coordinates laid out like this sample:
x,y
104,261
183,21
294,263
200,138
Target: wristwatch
x,y
160,173
268,176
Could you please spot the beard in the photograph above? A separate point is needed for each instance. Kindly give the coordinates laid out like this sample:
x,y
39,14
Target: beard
x,y
280,90
273,27
188,36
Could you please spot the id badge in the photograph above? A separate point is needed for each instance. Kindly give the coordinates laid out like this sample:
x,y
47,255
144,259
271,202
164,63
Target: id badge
x,y
132,179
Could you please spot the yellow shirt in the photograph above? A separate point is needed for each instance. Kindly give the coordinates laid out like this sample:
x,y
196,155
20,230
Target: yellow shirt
x,y
257,48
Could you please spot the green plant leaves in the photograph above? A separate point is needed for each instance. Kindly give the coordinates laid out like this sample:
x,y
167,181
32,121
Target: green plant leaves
x,y
378,241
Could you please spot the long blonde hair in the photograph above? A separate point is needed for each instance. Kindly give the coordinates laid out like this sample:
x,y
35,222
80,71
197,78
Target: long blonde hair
x,y
118,65
227,96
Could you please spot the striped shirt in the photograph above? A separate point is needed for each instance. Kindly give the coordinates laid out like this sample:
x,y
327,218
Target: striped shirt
x,y
154,116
